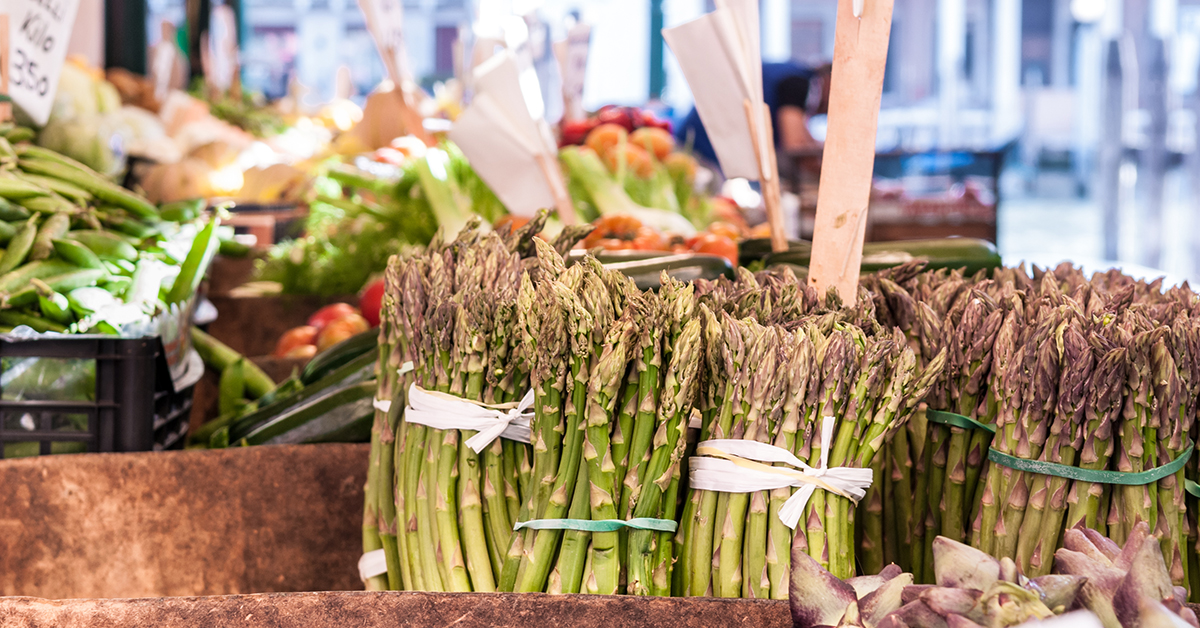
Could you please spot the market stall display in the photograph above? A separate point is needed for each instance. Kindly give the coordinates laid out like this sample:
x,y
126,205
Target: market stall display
x,y
1111,586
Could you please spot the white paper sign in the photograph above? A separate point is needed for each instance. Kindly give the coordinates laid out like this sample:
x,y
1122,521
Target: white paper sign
x,y
573,55
504,136
223,47
385,19
39,31
722,78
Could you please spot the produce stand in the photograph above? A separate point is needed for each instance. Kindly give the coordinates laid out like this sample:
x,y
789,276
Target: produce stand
x,y
191,523
382,610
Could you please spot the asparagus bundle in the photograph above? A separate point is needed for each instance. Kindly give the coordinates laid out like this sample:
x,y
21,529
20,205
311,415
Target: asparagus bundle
x,y
1085,373
839,393
442,512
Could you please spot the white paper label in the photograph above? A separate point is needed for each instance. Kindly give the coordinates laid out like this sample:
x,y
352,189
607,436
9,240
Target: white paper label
x,y
574,64
385,19
39,31
223,47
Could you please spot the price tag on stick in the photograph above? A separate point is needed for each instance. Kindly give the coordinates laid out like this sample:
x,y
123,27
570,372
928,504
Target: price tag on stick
x,y
856,89
385,22
6,112
38,33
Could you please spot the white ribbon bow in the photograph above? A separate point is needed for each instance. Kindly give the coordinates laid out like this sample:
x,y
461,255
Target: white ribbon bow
x,y
447,412
371,564
737,469
385,405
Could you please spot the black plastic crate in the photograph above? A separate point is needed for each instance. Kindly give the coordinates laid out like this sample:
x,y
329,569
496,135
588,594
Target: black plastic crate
x,y
135,406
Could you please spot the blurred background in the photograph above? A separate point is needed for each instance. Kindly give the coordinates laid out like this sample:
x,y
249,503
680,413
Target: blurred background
x,y
1057,128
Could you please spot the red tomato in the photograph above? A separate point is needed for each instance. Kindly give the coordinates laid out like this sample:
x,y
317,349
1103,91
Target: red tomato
x,y
293,338
612,114
653,139
575,131
714,244
336,331
330,313
371,301
510,221
303,351
726,229
637,161
604,138
619,232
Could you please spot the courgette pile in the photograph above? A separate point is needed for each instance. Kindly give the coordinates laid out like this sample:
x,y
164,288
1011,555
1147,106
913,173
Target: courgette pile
x,y
329,401
970,254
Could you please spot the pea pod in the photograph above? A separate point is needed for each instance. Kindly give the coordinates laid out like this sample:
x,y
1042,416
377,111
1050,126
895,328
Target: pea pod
x,y
204,247
182,211
105,245
118,285
233,248
15,189
232,387
58,186
20,278
54,305
77,254
19,247
52,164
7,231
133,228
65,282
11,212
20,134
55,227
15,319
89,300
51,204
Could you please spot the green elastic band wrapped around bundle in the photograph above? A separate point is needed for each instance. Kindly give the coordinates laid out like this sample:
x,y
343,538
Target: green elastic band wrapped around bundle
x,y
1099,476
603,525
957,420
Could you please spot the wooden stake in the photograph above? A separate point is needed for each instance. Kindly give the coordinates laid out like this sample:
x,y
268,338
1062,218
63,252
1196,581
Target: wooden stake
x,y
6,108
768,177
413,122
856,90
558,187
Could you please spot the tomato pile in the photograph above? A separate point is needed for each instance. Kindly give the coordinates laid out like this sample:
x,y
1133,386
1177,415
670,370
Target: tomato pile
x,y
629,118
619,232
332,324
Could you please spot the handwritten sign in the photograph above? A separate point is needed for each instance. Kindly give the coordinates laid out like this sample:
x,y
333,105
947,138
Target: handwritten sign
x,y
38,33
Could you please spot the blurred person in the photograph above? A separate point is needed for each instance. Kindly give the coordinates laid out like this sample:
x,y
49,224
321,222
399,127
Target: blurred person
x,y
793,93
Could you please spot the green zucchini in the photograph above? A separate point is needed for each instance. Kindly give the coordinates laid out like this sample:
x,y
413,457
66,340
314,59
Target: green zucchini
x,y
342,353
329,412
971,254
758,249
357,370
647,273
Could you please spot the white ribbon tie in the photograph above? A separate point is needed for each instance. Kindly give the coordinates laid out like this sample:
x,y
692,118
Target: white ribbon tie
x,y
737,470
447,412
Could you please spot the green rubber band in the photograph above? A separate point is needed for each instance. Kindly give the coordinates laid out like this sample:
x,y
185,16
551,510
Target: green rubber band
x,y
1099,476
958,420
603,525
1191,487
